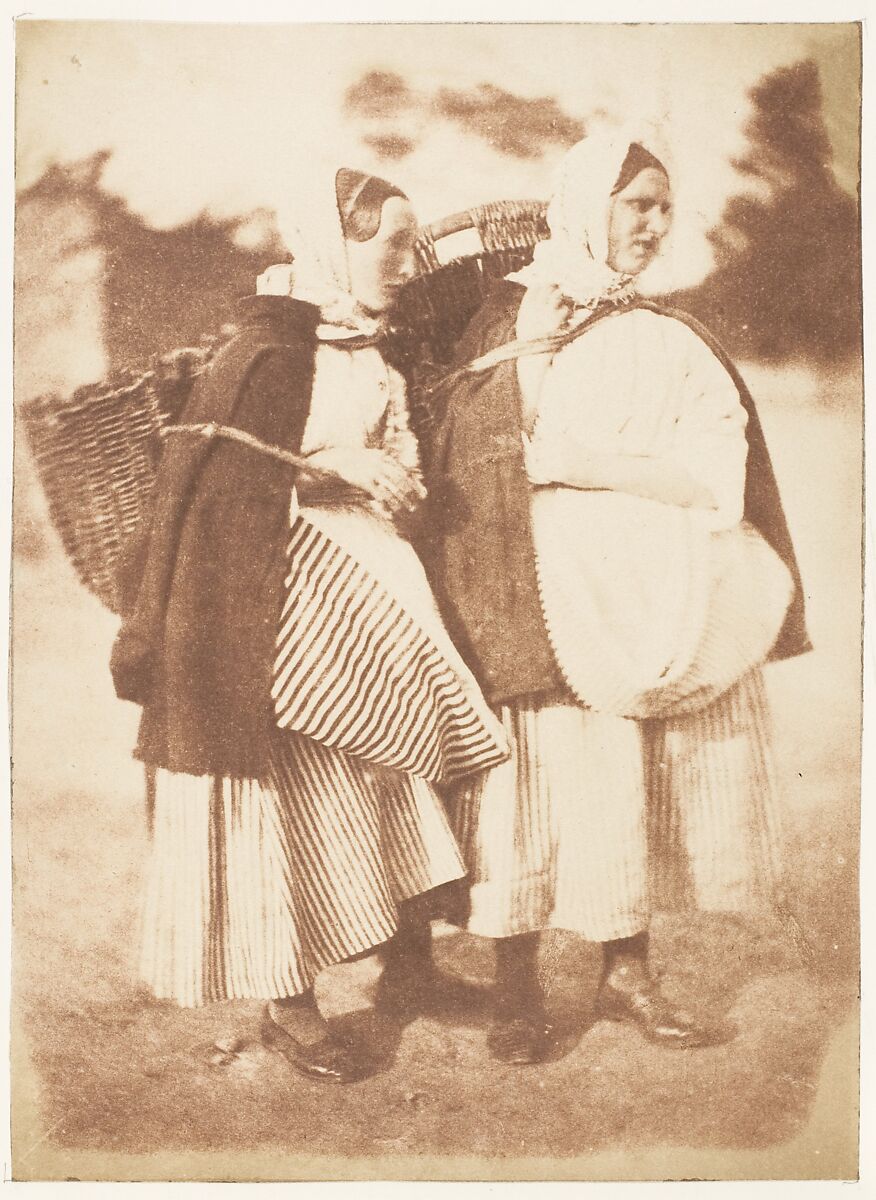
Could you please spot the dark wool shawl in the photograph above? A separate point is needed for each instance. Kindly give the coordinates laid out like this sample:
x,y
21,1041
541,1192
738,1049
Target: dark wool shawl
x,y
478,546
202,578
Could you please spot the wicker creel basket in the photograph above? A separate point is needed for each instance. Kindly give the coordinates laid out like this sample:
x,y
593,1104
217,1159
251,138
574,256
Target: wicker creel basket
x,y
96,453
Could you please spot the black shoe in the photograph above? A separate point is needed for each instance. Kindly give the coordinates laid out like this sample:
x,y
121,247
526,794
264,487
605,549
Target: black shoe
x,y
330,1060
520,1040
645,1006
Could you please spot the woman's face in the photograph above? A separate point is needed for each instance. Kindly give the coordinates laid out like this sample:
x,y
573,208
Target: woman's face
x,y
638,221
379,267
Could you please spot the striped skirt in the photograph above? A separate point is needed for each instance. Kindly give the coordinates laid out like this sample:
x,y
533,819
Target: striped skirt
x,y
364,663
253,888
597,820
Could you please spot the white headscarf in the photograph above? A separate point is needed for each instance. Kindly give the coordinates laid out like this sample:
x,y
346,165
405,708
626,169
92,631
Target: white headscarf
x,y
574,257
319,273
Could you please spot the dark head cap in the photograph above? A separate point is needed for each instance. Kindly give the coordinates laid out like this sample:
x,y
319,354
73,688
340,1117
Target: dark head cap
x,y
637,159
361,199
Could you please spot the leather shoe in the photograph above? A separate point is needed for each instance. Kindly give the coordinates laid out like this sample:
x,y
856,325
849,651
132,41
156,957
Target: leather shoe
x,y
329,1060
645,1006
520,1040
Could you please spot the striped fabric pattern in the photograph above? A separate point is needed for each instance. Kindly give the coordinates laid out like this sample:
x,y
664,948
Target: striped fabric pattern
x,y
355,672
253,887
714,815
554,838
598,819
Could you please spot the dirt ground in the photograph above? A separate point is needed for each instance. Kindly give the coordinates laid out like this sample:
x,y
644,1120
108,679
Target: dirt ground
x,y
109,1084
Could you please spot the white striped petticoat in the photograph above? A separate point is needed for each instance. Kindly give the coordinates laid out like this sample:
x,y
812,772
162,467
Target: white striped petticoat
x,y
355,672
255,886
598,820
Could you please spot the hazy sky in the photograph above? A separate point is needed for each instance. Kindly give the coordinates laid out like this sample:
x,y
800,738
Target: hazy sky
x,y
230,118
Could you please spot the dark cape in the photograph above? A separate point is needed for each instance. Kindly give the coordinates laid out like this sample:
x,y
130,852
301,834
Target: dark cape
x,y
479,549
202,578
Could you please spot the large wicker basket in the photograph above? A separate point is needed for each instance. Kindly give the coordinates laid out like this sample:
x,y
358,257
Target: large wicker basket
x,y
97,453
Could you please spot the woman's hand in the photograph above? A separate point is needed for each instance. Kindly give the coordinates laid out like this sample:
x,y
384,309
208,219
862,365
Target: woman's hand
x,y
276,281
546,463
542,311
375,473
565,465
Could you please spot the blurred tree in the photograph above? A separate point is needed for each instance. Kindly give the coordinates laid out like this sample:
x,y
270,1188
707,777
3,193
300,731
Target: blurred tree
x,y
520,126
787,281
379,94
517,125
162,288
388,111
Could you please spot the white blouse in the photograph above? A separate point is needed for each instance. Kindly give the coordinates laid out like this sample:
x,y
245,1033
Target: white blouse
x,y
358,400
651,608
640,383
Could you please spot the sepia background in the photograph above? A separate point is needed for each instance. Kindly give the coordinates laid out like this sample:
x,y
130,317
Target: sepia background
x,y
158,171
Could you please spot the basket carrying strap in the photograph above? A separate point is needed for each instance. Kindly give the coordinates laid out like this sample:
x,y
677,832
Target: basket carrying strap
x,y
549,344
210,430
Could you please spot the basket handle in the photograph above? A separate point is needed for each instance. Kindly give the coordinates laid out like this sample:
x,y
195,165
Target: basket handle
x,y
457,223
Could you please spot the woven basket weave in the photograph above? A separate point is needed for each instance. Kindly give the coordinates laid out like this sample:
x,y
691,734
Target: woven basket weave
x,y
97,454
